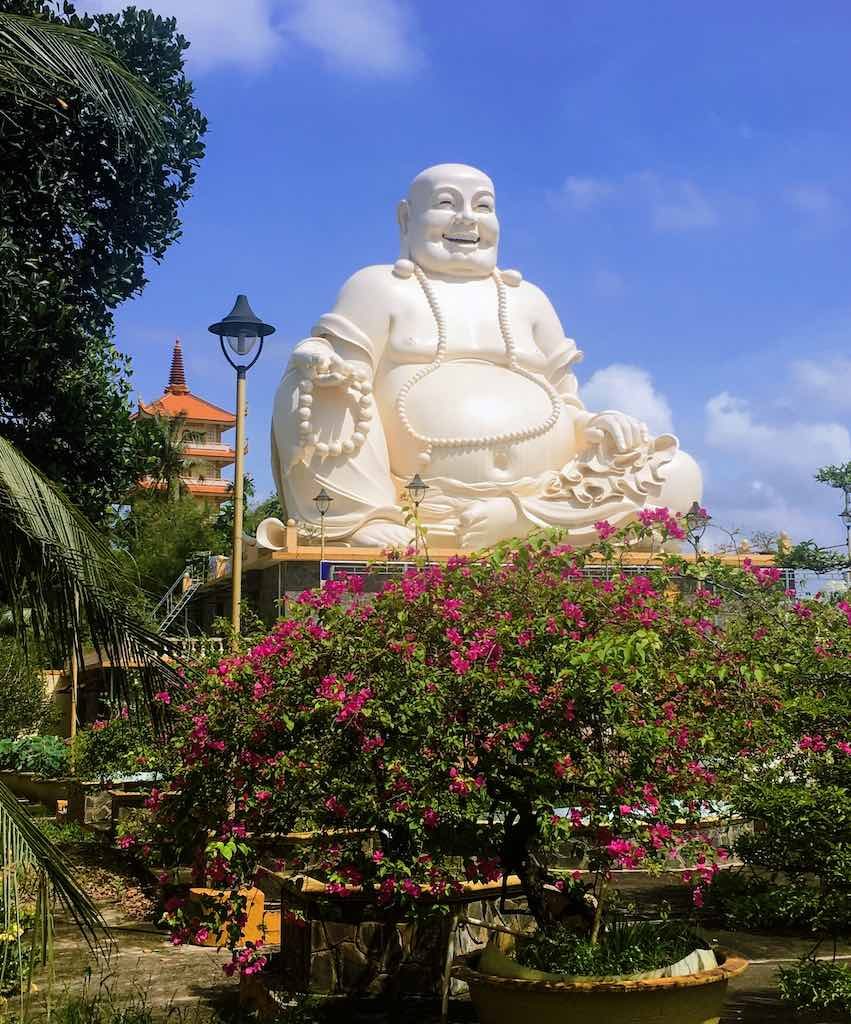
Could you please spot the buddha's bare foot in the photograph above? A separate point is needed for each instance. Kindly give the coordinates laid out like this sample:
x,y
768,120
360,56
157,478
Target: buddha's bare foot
x,y
489,521
381,533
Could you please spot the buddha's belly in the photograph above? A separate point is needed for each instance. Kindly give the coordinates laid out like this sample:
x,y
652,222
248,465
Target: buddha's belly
x,y
479,401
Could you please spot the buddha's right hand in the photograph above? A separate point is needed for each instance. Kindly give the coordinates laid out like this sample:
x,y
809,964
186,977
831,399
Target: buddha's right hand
x,y
315,360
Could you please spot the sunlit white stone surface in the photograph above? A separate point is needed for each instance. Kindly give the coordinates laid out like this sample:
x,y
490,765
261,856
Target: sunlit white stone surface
x,y
441,364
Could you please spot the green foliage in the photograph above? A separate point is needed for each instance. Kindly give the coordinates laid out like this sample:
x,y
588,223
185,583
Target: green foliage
x,y
120,746
835,476
800,799
809,556
252,515
24,704
744,900
624,948
160,535
16,957
44,755
160,440
74,240
69,833
816,985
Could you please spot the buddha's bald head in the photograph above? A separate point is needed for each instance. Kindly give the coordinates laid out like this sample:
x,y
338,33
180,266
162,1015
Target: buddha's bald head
x,y
448,221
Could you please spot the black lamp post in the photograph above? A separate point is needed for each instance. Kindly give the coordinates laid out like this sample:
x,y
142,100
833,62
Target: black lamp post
x,y
241,330
416,489
322,501
697,519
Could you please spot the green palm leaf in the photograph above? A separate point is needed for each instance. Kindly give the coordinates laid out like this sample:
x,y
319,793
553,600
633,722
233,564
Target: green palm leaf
x,y
30,861
60,578
36,55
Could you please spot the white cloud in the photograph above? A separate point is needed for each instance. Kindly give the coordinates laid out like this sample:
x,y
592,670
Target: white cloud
x,y
763,469
814,201
677,204
371,37
365,36
673,204
800,447
219,34
586,193
828,381
628,389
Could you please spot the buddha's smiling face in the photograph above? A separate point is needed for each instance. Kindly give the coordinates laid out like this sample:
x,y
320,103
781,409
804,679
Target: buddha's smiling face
x,y
449,223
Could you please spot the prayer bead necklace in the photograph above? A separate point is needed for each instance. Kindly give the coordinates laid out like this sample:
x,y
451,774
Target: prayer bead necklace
x,y
363,392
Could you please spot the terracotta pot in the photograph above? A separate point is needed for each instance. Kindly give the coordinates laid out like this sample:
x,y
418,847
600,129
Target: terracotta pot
x,y
690,999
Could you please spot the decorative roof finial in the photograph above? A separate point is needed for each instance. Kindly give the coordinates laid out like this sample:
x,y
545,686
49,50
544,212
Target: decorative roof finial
x,y
177,377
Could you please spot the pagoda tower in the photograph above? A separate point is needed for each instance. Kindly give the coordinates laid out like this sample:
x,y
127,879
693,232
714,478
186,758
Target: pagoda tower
x,y
206,455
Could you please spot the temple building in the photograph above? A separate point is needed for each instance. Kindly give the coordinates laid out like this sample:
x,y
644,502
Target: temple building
x,y
206,455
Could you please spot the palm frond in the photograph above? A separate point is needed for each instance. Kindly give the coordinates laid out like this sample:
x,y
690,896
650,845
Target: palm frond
x,y
37,54
60,577
28,857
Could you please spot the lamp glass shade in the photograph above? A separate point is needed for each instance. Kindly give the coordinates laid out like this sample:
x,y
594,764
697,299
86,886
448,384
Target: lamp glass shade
x,y
322,501
242,344
417,488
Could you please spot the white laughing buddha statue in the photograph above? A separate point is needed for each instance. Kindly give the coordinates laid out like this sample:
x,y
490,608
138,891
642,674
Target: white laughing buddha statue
x,y
444,365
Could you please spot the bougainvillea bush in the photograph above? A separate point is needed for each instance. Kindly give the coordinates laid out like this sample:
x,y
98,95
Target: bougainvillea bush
x,y
472,720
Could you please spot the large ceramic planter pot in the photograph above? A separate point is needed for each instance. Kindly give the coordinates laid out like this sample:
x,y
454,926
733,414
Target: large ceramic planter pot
x,y
690,999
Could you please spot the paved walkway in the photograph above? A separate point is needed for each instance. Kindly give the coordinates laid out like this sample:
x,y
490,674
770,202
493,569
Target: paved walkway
x,y
188,976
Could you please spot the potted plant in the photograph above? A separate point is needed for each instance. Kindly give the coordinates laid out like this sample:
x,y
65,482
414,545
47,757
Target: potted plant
x,y
484,719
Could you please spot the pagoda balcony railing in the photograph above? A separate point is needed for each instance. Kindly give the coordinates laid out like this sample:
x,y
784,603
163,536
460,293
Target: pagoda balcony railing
x,y
210,481
208,446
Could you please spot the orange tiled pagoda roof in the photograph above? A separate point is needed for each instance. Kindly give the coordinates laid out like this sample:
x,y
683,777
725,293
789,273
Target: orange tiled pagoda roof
x,y
178,400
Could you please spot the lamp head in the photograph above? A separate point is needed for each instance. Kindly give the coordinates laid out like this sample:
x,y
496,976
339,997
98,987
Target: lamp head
x,y
241,329
416,489
322,501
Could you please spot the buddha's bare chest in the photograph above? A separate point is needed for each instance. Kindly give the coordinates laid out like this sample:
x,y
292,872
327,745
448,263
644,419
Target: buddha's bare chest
x,y
472,326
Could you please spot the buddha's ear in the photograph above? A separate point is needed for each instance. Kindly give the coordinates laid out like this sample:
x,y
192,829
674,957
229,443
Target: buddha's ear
x,y
403,214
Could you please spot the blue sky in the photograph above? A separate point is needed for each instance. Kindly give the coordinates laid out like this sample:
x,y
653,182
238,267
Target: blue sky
x,y
675,177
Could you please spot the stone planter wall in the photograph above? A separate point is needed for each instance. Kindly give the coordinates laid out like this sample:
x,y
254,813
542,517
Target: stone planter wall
x,y
89,803
349,948
40,790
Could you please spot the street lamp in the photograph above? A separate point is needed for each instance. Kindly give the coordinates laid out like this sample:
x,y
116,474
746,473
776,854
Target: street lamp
x,y
697,519
416,489
241,330
322,501
845,516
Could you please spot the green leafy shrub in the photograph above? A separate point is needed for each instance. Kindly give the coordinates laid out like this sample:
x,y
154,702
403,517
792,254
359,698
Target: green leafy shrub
x,y
68,834
25,706
119,746
816,985
759,903
624,948
16,957
44,755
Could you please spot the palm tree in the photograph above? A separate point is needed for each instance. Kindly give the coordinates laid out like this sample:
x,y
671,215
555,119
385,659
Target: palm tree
x,y
164,448
38,55
60,579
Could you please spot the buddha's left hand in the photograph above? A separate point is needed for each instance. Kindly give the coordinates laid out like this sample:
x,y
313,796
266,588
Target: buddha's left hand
x,y
626,432
489,521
